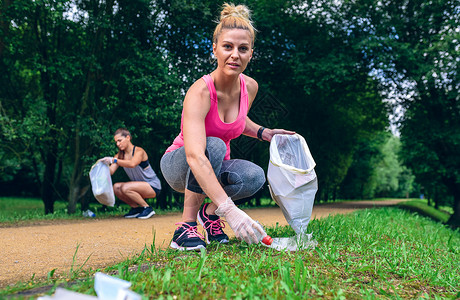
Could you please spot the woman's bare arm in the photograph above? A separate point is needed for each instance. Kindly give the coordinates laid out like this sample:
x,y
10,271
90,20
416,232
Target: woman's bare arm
x,y
196,107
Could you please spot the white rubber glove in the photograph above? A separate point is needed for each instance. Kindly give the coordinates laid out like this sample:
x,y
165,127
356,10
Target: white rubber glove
x,y
107,160
243,226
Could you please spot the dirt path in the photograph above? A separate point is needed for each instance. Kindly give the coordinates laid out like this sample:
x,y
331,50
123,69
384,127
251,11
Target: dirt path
x,y
38,249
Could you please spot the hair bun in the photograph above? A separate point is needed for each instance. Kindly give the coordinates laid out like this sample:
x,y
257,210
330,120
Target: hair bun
x,y
239,11
234,17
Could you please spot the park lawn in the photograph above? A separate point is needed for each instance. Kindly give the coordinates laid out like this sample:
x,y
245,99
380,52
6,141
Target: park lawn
x,y
15,209
370,254
421,206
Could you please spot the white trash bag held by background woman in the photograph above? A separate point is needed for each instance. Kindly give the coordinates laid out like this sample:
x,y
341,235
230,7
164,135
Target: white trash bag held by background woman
x,y
101,183
292,179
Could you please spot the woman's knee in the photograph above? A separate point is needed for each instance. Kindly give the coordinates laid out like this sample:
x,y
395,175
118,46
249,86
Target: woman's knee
x,y
125,188
255,177
243,179
174,167
117,188
215,148
215,142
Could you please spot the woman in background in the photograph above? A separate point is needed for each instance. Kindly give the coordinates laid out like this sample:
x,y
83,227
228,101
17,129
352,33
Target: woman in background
x,y
144,182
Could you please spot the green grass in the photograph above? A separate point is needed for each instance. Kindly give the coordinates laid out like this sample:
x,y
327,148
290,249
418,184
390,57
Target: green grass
x,y
371,254
14,209
420,206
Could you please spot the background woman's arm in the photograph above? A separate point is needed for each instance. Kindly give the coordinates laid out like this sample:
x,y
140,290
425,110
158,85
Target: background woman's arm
x,y
134,161
113,167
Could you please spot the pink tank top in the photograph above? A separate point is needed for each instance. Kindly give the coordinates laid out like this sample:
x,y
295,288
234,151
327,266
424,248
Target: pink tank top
x,y
213,124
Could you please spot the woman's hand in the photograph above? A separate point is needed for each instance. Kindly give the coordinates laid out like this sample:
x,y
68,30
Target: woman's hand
x,y
259,132
108,160
242,225
268,134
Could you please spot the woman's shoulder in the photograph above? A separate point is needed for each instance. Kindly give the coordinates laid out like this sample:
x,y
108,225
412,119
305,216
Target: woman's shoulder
x,y
139,150
198,92
252,87
199,87
251,84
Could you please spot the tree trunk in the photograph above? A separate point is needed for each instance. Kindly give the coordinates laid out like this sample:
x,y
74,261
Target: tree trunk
x,y
48,183
436,198
88,94
50,157
258,196
85,197
50,94
454,188
4,26
454,219
164,198
74,188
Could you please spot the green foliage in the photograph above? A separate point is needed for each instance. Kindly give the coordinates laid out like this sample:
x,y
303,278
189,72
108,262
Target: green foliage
x,y
360,181
73,79
388,169
377,171
14,210
306,60
415,47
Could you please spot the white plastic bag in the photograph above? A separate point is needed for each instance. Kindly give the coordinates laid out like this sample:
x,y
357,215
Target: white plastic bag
x,y
292,179
101,183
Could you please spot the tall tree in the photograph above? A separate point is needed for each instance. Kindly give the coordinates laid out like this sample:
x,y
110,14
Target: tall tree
x,y
377,170
75,71
307,60
415,45
114,64
360,181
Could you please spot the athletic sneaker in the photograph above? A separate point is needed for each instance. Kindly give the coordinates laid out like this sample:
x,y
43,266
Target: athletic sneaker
x,y
186,237
134,212
146,213
213,225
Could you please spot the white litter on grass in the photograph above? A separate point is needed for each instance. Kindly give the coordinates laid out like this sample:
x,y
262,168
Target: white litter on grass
x,y
106,287
63,294
294,243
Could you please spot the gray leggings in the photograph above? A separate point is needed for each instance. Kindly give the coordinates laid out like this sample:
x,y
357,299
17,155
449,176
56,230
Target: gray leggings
x,y
239,178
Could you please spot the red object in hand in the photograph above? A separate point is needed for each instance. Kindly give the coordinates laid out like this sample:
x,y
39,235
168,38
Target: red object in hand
x,y
267,240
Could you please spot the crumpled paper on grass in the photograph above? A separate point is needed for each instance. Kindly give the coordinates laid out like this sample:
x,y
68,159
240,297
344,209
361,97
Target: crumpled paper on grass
x,y
107,288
